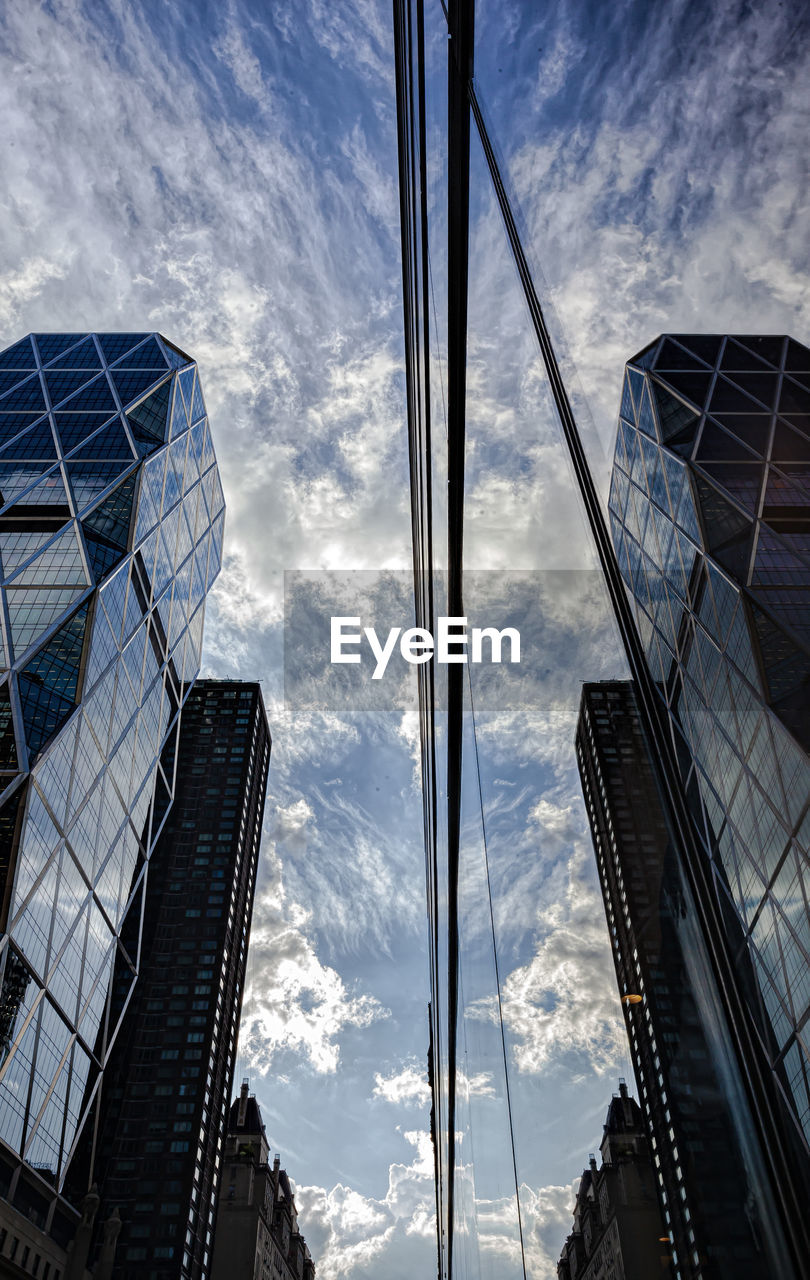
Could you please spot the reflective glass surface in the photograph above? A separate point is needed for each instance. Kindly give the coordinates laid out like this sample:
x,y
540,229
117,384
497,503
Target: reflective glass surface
x,y
713,537
110,537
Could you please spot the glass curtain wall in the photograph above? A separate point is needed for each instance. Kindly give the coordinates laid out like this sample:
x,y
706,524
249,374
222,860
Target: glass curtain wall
x,y
510,532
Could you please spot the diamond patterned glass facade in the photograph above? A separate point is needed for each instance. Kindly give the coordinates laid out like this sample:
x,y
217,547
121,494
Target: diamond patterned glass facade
x,y
111,521
710,518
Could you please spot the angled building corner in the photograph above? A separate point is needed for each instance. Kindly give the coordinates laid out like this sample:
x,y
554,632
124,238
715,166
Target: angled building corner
x,y
111,524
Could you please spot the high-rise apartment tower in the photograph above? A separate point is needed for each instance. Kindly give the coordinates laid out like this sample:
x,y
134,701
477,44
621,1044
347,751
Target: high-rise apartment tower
x,y
163,1111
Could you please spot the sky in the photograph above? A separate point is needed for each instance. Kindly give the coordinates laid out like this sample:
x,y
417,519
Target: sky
x,y
226,174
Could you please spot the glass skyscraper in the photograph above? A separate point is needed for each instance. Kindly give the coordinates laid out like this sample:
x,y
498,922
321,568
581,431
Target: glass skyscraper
x,y
710,516
111,520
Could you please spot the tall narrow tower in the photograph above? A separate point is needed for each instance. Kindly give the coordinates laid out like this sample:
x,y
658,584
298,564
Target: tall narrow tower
x,y
158,1149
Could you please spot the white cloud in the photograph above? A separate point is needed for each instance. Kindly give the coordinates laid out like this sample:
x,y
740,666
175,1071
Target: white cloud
x,y
358,1236
562,1007
294,1002
408,1085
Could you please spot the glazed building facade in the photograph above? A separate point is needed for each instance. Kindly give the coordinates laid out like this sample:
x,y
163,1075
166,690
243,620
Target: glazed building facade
x,y
716,1205
710,517
156,1151
111,522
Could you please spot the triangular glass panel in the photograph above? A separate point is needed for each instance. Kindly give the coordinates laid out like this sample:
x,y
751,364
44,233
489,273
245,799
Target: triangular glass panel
x,y
729,534
715,445
49,682
147,356
215,555
113,599
789,445
53,344
62,383
784,567
21,356
171,490
179,416
84,356
8,745
198,404
192,473
132,659
646,422
114,345
737,357
73,428
89,479
177,459
134,613
145,557
168,535
103,557
636,381
18,546
793,398
30,929
32,611
27,397
209,457
132,383
111,518
17,477
752,428
761,386
11,424
184,540
176,358
798,356
199,576
673,356
803,379
787,497
185,383
148,419
704,345
148,511
197,443
675,418
692,386
728,398
111,442
60,564
741,480
95,397
764,345
203,520
36,443
12,378
103,648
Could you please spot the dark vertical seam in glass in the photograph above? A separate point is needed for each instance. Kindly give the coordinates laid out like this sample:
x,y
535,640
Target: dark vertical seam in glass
x,y
459,74
414,237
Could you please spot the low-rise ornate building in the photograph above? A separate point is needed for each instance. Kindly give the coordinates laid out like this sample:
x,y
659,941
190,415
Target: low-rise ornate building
x,y
618,1233
257,1223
